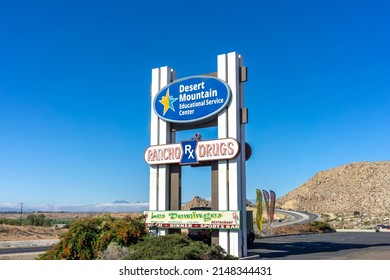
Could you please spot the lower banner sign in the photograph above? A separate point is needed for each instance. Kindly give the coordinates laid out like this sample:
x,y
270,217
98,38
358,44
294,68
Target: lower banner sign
x,y
193,219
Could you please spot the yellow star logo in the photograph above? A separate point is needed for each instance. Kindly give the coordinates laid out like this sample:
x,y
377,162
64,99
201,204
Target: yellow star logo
x,y
167,102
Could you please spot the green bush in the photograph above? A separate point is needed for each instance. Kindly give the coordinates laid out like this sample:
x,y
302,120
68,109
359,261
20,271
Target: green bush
x,y
175,247
51,222
87,237
12,222
35,220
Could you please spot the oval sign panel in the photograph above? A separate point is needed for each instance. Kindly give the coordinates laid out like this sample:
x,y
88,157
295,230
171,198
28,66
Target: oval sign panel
x,y
191,99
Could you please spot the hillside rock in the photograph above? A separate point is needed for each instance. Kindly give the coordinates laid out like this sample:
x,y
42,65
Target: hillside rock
x,y
357,189
200,202
196,202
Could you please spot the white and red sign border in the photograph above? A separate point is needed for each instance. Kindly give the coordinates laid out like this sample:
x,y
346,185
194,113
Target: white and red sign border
x,y
193,219
209,150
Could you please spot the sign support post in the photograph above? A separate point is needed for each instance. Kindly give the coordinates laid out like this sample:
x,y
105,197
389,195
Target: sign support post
x,y
160,133
232,183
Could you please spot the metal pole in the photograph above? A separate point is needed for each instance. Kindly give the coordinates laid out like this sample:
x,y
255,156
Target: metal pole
x,y
21,212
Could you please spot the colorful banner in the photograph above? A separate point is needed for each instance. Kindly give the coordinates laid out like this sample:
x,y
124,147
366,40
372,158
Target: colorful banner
x,y
266,200
272,206
201,219
259,209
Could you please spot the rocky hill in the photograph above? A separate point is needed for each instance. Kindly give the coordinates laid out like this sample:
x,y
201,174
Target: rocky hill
x,y
196,202
201,202
359,192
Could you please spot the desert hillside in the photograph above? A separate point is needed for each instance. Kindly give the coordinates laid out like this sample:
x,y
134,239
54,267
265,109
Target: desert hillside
x,y
196,202
358,189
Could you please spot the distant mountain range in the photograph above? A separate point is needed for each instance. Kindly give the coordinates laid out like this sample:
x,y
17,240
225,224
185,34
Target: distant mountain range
x,y
120,202
115,206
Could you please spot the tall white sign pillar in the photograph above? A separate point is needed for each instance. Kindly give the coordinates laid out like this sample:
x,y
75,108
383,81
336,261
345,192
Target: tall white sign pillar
x,y
231,176
160,133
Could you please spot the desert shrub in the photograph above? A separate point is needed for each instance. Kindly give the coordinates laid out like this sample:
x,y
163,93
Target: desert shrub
x,y
114,252
52,222
35,220
175,247
321,226
87,237
12,222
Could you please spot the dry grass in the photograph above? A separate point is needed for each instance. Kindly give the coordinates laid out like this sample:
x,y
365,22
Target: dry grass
x,y
19,233
294,229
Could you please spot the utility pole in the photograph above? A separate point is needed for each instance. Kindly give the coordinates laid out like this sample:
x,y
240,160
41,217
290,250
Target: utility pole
x,y
21,212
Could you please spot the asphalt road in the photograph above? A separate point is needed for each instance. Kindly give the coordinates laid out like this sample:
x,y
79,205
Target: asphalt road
x,y
7,251
327,246
295,217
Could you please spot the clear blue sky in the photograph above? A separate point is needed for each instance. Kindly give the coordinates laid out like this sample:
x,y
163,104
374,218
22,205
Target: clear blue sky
x,y
75,77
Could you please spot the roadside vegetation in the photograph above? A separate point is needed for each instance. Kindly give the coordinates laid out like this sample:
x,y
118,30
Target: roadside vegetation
x,y
87,237
105,237
313,227
321,226
35,220
175,247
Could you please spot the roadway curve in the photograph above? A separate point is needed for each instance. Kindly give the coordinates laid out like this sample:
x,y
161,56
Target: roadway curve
x,y
296,217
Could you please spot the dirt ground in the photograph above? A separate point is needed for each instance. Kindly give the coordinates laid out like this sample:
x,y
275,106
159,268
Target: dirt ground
x,y
20,257
19,233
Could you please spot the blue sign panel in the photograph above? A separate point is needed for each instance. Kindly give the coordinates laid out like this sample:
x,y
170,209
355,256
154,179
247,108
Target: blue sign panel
x,y
192,99
189,152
